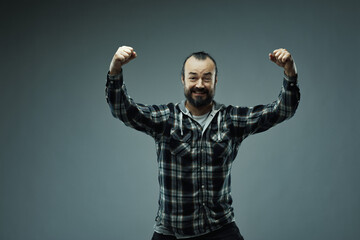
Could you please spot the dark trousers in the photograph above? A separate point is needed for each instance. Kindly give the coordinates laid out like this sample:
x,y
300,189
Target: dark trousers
x,y
228,232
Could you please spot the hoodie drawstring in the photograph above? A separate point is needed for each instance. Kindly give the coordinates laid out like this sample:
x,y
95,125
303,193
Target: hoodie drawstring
x,y
180,120
218,123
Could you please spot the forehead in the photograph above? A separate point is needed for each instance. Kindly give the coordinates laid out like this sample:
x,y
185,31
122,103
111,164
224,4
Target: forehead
x,y
199,66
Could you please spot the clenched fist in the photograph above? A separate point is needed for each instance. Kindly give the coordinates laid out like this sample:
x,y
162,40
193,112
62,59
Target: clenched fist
x,y
122,56
283,59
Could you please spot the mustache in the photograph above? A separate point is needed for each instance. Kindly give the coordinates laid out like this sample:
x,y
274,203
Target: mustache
x,y
199,90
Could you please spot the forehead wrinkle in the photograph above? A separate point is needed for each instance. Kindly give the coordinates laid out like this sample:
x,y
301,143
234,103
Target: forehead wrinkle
x,y
205,74
194,65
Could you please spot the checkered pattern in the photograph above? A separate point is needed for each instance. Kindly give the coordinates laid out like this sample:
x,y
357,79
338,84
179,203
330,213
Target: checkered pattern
x,y
195,163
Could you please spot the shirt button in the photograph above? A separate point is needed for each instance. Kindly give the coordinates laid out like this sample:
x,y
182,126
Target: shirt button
x,y
202,168
202,186
291,84
203,204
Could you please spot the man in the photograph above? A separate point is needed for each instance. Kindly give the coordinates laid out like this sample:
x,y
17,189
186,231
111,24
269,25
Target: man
x,y
197,141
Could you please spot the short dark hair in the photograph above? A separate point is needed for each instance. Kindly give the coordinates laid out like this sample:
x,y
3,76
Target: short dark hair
x,y
200,56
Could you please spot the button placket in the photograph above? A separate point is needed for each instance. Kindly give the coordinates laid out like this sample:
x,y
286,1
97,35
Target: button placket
x,y
202,174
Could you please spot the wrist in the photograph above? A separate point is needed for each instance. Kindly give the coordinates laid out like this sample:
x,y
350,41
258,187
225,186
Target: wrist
x,y
115,71
290,73
290,70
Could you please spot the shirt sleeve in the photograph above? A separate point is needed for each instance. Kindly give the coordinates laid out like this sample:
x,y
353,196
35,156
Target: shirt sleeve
x,y
251,120
149,119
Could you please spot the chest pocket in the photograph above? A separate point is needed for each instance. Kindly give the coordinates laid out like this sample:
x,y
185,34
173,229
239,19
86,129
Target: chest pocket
x,y
180,144
221,144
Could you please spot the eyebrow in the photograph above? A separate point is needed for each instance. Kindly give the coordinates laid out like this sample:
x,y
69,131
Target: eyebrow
x,y
193,73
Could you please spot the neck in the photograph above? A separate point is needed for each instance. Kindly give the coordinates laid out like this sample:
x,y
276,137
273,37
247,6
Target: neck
x,y
198,111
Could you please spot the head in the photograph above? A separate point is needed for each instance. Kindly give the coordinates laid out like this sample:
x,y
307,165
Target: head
x,y
199,77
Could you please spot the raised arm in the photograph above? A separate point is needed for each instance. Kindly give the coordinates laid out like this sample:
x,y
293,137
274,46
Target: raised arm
x,y
262,117
150,119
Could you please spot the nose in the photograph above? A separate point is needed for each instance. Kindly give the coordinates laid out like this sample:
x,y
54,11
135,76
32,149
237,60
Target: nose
x,y
199,83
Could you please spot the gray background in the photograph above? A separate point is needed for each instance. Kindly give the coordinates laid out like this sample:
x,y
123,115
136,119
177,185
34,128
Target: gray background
x,y
69,170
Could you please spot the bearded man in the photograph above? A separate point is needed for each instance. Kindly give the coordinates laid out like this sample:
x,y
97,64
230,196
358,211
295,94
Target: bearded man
x,y
197,141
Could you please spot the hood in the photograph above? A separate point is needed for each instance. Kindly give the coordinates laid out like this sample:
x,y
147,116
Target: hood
x,y
216,108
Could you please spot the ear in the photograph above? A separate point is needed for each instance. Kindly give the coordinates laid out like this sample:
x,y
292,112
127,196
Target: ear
x,y
182,80
216,80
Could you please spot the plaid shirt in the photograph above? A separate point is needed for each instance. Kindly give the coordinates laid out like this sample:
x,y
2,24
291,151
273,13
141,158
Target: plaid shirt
x,y
194,161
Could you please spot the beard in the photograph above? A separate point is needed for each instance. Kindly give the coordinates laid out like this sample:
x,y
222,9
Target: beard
x,y
199,101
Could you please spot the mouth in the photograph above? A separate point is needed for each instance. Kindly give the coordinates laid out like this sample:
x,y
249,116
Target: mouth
x,y
199,92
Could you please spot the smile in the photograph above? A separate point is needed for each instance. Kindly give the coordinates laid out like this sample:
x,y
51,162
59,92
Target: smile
x,y
200,94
